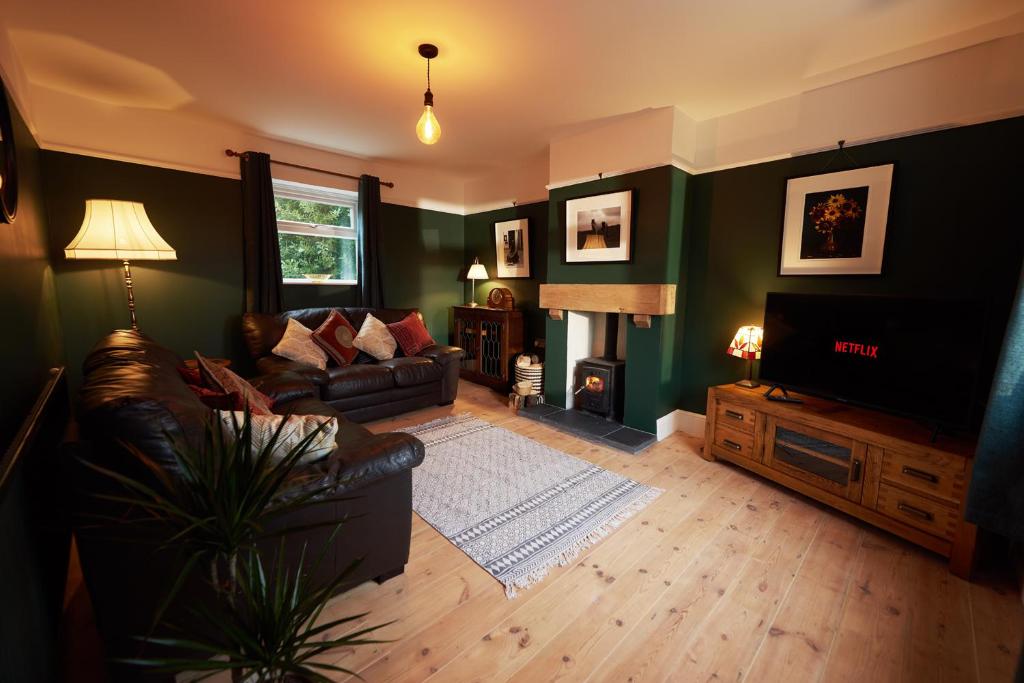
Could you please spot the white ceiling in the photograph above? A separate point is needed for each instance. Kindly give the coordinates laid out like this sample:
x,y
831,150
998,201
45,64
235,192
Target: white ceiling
x,y
511,76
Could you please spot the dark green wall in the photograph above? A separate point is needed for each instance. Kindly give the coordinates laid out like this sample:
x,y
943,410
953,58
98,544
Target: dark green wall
x,y
955,231
422,256
196,302
659,245
30,346
525,291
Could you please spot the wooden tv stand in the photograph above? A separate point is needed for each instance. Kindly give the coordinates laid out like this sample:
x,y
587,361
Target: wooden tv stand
x,y
878,467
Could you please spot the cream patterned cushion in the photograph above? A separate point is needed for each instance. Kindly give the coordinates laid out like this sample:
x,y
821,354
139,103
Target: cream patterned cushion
x,y
297,344
296,428
375,339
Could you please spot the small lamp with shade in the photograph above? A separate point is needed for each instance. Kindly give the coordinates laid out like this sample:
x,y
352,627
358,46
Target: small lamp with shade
x,y
747,345
475,272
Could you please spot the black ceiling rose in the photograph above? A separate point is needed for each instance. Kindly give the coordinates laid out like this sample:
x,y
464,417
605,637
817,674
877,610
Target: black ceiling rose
x,y
428,51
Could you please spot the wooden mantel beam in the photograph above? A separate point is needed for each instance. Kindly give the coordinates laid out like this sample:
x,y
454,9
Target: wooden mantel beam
x,y
645,300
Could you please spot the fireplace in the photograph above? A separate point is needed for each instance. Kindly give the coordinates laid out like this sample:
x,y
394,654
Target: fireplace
x,y
599,383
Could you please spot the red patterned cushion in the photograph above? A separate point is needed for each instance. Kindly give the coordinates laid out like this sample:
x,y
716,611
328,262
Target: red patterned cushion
x,y
411,334
335,337
224,380
218,400
190,375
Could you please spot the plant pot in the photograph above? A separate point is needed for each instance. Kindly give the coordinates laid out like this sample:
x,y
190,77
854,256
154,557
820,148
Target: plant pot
x,y
317,277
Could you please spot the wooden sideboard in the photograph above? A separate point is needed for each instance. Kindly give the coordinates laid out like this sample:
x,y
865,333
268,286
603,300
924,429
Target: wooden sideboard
x,y
878,467
491,338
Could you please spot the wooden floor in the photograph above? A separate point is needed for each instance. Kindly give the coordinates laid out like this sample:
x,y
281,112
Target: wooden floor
x,y
724,577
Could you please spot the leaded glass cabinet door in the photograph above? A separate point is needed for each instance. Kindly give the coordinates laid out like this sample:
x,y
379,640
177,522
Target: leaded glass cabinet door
x,y
491,352
467,335
822,459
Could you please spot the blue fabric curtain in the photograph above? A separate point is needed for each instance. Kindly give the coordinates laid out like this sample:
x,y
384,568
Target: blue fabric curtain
x,y
371,291
996,499
262,253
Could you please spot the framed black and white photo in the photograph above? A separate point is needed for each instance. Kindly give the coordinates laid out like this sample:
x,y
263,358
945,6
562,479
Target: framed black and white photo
x,y
512,248
835,223
598,229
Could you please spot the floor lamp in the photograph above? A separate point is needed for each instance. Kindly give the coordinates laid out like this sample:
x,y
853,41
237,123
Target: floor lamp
x,y
119,230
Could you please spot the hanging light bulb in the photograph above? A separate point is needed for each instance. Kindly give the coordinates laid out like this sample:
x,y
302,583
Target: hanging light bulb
x,y
428,130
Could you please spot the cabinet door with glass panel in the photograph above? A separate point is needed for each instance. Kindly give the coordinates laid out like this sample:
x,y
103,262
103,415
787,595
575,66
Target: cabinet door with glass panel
x,y
822,459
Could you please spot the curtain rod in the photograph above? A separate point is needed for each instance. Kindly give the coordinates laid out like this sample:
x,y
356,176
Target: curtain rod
x,y
233,153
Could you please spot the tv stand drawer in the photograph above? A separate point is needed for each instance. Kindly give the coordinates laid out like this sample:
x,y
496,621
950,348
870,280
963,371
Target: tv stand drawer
x,y
933,474
734,441
735,416
917,511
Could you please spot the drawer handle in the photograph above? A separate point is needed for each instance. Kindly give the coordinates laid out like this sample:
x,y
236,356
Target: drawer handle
x,y
732,444
920,474
916,512
734,415
855,473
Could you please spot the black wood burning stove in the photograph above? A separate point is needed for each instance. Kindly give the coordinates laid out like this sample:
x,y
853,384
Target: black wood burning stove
x,y
599,384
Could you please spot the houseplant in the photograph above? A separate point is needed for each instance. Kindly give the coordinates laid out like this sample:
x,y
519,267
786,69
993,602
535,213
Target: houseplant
x,y
213,506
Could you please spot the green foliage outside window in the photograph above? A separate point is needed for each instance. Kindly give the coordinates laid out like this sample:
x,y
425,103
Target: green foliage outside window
x,y
312,254
302,254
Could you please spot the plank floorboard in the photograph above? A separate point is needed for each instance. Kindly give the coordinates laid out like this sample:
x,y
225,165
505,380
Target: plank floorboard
x,y
724,576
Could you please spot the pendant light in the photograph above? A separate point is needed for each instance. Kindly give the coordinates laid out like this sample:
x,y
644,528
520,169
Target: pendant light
x,y
428,130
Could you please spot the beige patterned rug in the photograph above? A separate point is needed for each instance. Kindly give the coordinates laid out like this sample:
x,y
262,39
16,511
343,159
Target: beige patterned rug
x,y
515,506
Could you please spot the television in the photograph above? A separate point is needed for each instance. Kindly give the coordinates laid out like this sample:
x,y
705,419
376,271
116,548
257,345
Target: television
x,y
914,357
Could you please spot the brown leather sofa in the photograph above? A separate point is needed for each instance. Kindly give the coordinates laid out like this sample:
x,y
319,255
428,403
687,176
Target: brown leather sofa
x,y
133,393
367,389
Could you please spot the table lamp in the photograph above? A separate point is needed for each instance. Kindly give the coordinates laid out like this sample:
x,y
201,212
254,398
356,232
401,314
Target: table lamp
x,y
119,230
476,272
747,345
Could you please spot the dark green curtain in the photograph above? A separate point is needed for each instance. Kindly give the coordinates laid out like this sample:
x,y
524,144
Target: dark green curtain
x,y
371,292
262,253
996,499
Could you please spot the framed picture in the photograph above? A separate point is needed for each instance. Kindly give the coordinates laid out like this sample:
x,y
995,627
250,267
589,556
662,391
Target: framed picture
x,y
835,223
512,248
598,229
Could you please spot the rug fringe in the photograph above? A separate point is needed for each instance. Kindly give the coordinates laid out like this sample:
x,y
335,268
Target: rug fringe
x,y
570,554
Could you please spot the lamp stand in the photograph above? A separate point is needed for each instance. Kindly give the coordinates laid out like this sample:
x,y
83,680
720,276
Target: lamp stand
x,y
749,382
131,295
472,291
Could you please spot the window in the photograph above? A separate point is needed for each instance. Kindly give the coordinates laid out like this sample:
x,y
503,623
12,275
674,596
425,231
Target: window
x,y
316,232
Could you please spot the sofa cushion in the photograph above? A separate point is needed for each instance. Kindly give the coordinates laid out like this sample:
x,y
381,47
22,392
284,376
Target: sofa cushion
x,y
413,370
375,339
411,334
219,377
298,345
335,337
353,380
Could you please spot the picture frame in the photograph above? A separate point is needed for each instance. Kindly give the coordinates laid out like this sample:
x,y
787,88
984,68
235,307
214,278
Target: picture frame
x,y
835,223
512,249
599,228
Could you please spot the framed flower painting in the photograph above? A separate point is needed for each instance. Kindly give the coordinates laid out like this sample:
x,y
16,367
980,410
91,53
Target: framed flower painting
x,y
835,223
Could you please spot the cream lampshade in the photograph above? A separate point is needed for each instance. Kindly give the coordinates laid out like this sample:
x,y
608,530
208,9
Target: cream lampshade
x,y
119,230
476,272
747,345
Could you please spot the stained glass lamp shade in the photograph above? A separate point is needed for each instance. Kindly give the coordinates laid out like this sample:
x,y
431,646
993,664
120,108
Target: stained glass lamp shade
x,y
746,344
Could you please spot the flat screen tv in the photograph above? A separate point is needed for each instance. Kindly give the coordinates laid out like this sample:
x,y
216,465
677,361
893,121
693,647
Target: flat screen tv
x,y
908,356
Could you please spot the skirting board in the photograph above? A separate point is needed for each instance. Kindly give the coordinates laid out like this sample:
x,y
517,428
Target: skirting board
x,y
683,421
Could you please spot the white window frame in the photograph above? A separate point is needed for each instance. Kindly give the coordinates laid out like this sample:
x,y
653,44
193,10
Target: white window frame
x,y
321,195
